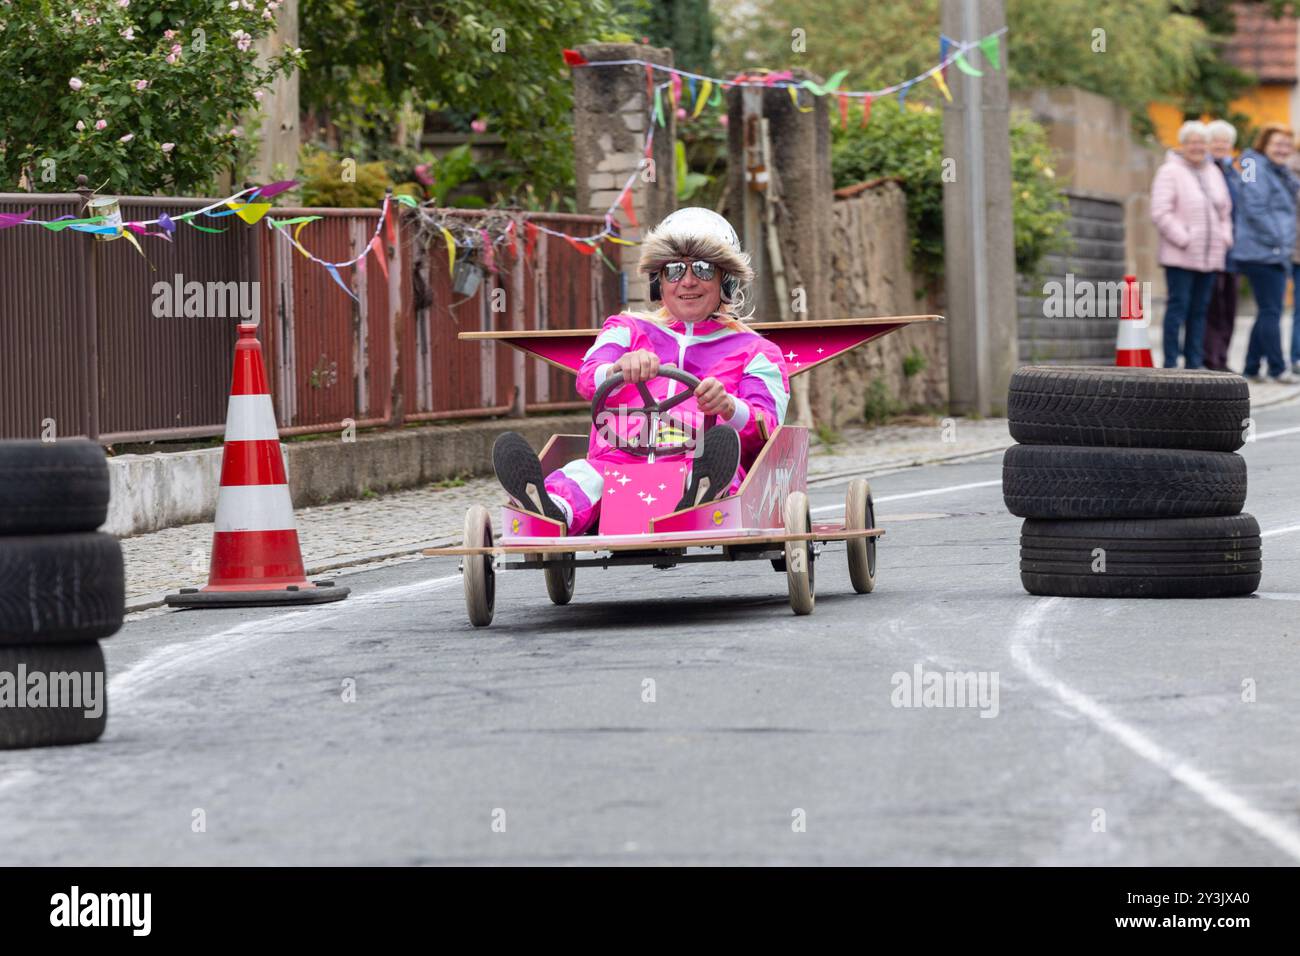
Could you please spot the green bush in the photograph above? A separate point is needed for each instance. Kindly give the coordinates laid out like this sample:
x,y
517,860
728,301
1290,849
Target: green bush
x,y
324,184
908,143
879,406
914,363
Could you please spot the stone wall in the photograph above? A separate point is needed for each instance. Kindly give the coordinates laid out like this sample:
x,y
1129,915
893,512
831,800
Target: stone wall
x,y
871,276
1097,156
610,116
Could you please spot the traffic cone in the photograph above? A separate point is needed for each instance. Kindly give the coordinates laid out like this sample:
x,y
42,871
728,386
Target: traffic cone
x,y
256,559
1133,343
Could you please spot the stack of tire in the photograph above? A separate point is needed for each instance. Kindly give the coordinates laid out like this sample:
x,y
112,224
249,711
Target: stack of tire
x,y
1129,482
61,591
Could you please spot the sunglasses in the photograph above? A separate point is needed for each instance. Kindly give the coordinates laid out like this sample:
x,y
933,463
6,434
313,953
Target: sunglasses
x,y
704,271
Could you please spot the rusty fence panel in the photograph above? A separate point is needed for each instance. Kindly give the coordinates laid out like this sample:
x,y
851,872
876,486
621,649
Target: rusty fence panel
x,y
329,357
45,353
557,288
95,339
86,338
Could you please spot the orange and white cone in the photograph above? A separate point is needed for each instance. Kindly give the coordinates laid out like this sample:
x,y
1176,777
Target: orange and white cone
x,y
256,559
1133,342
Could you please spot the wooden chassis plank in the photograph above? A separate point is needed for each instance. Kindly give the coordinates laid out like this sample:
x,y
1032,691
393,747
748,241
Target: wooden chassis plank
x,y
584,543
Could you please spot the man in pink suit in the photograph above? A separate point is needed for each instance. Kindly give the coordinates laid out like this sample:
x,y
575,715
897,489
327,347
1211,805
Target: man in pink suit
x,y
697,268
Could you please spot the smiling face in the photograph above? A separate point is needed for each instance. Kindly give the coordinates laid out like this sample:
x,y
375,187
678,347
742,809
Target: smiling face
x,y
1220,147
1279,148
691,299
1194,149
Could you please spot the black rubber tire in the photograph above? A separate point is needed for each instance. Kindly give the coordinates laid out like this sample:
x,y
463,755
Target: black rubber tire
x,y
49,726
1128,407
1060,481
52,487
60,589
1154,561
1199,569
1147,536
1175,557
1116,586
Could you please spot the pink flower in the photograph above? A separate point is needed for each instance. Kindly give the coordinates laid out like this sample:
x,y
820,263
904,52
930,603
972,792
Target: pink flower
x,y
81,126
258,94
123,3
236,131
142,84
168,147
128,33
242,39
478,125
100,124
127,138
176,48
168,34
267,14
75,83
681,113
172,57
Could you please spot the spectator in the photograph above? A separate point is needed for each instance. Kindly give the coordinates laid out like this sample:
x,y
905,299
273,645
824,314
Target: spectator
x,y
1266,223
1221,315
1192,210
1295,312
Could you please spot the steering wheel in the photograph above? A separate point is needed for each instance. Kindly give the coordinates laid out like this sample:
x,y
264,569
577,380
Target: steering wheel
x,y
651,410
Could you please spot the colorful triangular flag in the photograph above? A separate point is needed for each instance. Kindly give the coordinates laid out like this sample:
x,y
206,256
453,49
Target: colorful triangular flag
x,y
989,47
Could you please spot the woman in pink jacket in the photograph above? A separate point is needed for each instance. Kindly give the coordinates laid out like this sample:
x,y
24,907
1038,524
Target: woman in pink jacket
x,y
1192,210
696,267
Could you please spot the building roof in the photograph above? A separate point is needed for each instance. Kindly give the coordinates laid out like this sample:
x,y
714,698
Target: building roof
x,y
1262,45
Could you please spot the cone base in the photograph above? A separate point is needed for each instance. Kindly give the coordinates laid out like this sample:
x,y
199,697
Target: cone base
x,y
265,597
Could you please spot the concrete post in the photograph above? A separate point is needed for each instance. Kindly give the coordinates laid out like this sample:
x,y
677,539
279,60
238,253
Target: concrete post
x,y
979,257
611,117
786,225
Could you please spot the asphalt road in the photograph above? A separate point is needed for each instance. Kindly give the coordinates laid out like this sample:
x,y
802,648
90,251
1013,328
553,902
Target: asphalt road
x,y
1120,733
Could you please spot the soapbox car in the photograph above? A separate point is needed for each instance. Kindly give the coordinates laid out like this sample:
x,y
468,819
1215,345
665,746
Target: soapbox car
x,y
767,519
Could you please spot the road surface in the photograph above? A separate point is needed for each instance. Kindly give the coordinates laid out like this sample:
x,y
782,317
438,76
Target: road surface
x,y
1119,734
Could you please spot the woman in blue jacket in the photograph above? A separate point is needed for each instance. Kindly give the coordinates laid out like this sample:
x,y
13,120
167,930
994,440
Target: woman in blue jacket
x,y
1265,236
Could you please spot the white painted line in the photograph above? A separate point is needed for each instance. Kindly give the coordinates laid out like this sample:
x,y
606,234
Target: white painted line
x,y
1277,596
1273,829
1287,530
183,655
917,494
1278,433
180,656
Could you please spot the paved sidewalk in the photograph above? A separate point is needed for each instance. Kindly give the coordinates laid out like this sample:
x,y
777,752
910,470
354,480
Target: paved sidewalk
x,y
388,526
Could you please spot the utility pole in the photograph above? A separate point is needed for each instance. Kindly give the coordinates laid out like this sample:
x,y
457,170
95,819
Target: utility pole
x,y
979,240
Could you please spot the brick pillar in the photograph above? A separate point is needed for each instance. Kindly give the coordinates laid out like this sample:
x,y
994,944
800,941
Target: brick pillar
x,y
799,184
611,116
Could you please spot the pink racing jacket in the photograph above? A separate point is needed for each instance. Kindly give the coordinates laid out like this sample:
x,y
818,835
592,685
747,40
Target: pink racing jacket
x,y
749,367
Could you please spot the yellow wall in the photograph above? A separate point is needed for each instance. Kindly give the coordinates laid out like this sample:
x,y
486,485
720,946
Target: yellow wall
x,y
1270,103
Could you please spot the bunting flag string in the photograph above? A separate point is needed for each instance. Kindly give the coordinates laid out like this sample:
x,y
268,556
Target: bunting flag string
x,y
252,205
951,51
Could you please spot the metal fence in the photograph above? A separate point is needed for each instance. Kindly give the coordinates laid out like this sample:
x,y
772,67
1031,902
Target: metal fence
x,y
87,346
